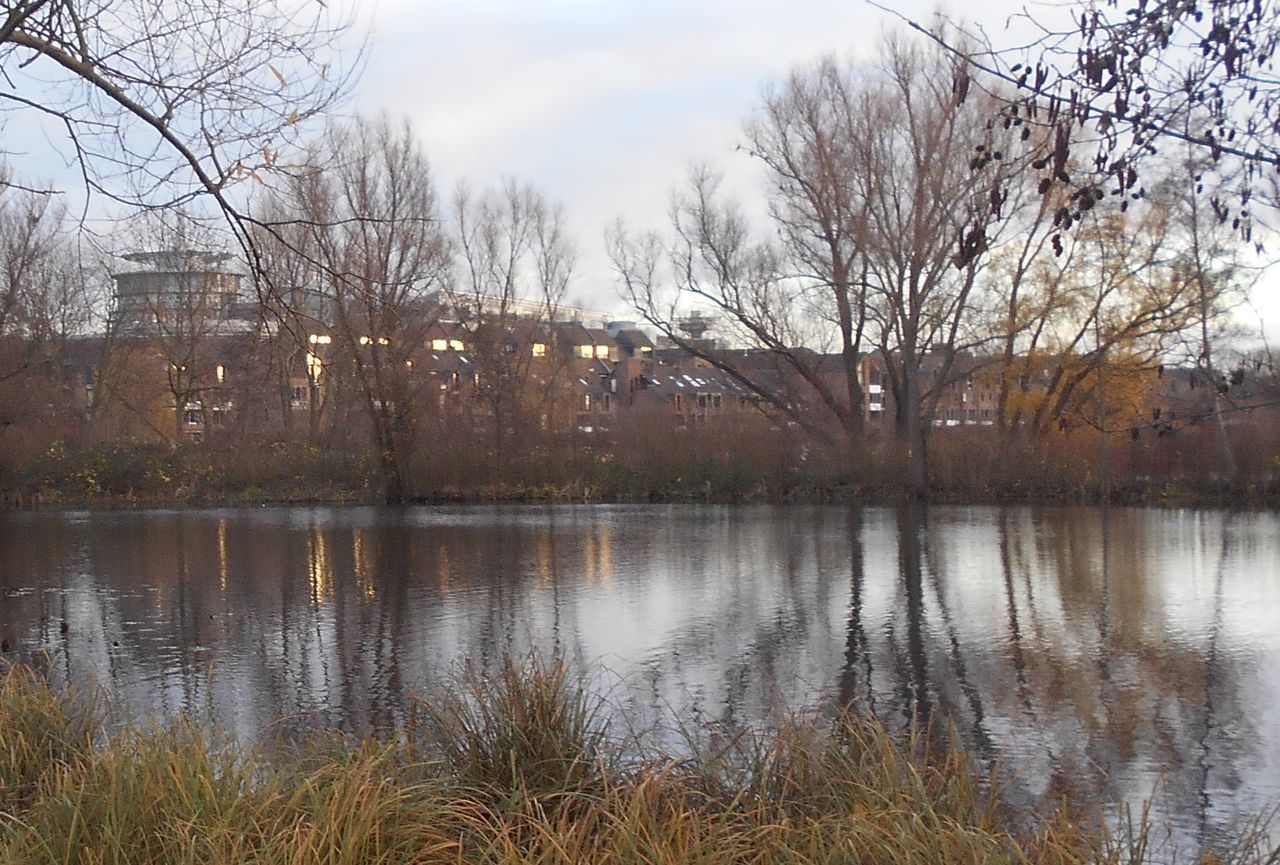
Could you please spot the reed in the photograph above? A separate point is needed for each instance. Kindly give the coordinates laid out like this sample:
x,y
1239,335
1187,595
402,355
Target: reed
x,y
517,767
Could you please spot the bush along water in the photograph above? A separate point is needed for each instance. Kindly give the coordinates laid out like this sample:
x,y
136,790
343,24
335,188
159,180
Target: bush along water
x,y
521,766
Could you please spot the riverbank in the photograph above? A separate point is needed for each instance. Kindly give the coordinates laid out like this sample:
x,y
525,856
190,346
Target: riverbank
x,y
965,470
522,767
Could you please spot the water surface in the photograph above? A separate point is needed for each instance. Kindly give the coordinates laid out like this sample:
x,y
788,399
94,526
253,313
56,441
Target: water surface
x,y
1117,655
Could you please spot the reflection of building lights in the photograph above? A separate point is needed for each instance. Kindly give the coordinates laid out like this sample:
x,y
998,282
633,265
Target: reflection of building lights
x,y
319,573
364,576
222,554
605,548
443,568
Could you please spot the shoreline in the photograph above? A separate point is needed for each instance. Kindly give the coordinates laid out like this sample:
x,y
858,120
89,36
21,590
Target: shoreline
x,y
525,766
1234,497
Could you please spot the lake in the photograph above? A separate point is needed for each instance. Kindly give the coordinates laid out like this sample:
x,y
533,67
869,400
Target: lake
x,y
1119,655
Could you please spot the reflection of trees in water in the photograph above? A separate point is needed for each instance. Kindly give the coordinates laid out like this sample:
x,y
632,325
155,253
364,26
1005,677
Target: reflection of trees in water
x,y
1029,629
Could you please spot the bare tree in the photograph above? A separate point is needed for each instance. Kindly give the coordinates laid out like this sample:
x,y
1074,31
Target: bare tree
x,y
805,137
932,217
1210,259
515,263
714,260
882,231
159,103
47,301
368,207
44,296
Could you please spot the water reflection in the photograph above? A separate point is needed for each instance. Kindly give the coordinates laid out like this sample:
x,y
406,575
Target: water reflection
x,y
1112,654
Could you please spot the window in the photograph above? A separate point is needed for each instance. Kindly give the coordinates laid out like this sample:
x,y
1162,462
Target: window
x,y
191,416
439,344
320,339
586,402
456,345
585,351
298,396
602,352
539,349
508,348
608,402
221,373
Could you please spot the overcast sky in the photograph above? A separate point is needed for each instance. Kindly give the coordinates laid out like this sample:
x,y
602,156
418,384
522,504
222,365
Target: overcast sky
x,y
602,105
605,105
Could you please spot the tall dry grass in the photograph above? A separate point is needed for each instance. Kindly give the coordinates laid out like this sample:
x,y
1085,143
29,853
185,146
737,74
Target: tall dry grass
x,y
518,767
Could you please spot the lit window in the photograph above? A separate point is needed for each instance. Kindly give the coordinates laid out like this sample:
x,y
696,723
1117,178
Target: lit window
x,y
364,340
320,339
314,366
221,373
586,402
456,344
439,344
585,351
602,351
539,349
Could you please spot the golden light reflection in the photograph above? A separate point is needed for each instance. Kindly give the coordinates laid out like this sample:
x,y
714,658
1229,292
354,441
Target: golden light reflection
x,y
222,555
544,557
605,553
590,562
364,574
319,569
443,568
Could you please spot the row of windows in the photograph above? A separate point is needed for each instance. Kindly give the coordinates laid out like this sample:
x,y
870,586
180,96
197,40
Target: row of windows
x,y
537,349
